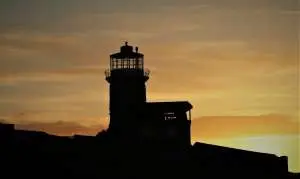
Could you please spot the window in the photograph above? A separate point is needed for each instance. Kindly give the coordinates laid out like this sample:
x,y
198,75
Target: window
x,y
169,116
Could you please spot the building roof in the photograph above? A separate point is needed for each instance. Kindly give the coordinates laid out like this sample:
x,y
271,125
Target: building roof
x,y
216,149
126,51
121,55
168,106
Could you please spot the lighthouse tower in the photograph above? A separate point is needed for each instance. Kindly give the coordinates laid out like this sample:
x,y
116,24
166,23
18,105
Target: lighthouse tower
x,y
127,90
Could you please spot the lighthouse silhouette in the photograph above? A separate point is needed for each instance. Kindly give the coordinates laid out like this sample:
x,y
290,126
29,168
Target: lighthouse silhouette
x,y
131,116
127,89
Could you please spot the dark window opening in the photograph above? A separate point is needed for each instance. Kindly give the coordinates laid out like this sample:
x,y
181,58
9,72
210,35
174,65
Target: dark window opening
x,y
169,116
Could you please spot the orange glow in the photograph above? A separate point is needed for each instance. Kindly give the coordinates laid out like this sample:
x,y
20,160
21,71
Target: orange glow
x,y
274,134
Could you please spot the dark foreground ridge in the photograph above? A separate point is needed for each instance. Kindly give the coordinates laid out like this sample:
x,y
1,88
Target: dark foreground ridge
x,y
144,140
40,155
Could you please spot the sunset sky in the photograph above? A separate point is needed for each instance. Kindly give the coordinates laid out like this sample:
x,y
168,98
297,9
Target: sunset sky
x,y
236,61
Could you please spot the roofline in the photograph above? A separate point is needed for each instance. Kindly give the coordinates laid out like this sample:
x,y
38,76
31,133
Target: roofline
x,y
185,105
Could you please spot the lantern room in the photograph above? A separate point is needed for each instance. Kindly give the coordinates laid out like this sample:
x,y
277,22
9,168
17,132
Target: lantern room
x,y
127,58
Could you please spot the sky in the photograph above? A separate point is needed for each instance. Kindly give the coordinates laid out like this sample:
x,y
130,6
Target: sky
x,y
235,61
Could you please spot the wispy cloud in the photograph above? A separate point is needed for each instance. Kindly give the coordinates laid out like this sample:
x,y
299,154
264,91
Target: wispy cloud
x,y
244,126
62,128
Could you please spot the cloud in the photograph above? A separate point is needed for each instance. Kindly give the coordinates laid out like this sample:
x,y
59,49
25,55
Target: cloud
x,y
290,12
210,127
26,53
61,128
37,43
56,75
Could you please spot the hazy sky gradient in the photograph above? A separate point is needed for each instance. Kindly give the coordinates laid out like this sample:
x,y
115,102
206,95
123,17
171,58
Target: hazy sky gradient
x,y
236,61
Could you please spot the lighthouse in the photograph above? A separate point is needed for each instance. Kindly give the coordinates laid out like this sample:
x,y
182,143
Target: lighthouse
x,y
127,89
131,116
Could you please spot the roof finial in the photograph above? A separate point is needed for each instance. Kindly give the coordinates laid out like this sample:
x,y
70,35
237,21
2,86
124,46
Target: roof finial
x,y
136,49
126,43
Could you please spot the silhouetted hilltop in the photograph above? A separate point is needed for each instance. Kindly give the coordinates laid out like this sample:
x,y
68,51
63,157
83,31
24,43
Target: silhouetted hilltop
x,y
38,154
